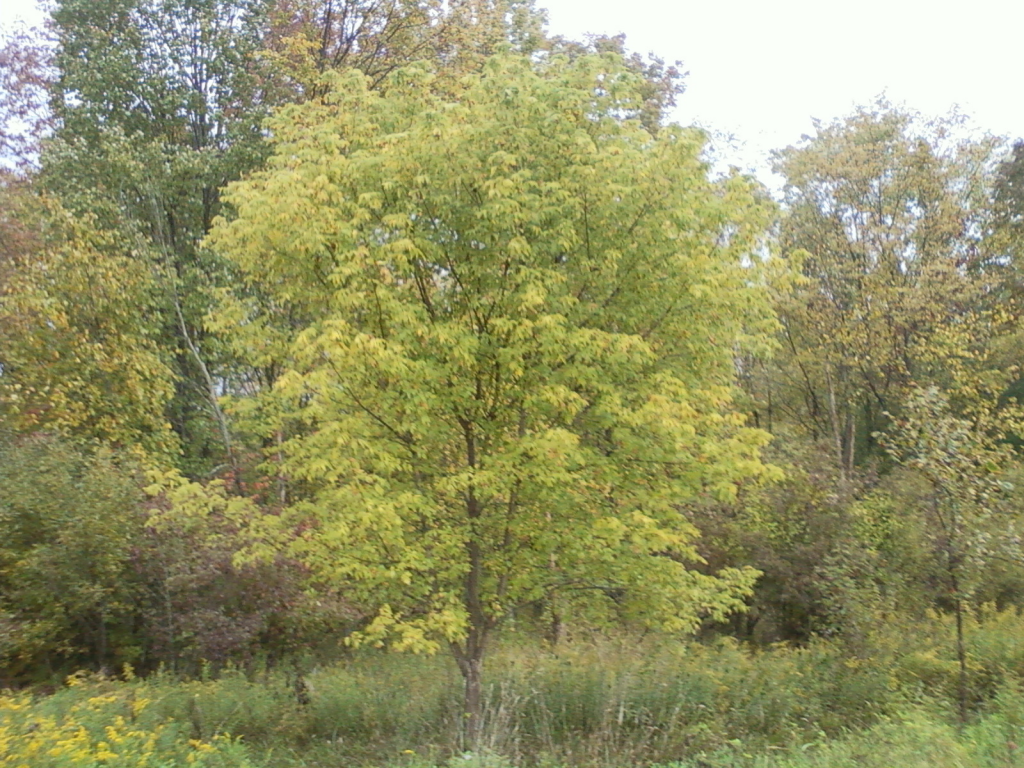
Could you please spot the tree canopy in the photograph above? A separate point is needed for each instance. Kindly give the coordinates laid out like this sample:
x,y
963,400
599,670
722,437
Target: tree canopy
x,y
523,314
888,210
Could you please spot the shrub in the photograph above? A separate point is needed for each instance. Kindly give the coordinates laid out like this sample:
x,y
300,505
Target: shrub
x,y
103,725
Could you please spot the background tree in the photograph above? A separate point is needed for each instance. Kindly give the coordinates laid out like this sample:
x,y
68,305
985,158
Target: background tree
x,y
26,74
521,357
1008,206
964,462
311,37
890,213
77,357
1004,257
662,83
158,105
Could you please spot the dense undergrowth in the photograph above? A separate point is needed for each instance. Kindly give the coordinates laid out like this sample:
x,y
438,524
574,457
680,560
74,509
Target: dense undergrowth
x,y
590,703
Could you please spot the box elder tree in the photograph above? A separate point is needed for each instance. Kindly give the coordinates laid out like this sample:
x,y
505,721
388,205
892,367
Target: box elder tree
x,y
521,317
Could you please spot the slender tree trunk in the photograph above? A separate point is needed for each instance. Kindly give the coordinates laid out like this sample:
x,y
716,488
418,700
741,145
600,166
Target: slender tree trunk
x,y
103,641
469,656
837,434
557,627
212,396
471,662
472,669
170,628
961,656
961,651
165,237
954,559
556,630
850,446
282,481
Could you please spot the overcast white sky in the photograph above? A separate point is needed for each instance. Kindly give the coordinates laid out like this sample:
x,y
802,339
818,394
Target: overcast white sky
x,y
760,69
17,10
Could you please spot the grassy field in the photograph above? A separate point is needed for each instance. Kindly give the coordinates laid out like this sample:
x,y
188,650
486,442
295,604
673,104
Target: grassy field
x,y
595,703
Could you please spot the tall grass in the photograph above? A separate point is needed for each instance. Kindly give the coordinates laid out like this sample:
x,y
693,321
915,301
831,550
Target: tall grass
x,y
590,704
922,737
601,704
617,703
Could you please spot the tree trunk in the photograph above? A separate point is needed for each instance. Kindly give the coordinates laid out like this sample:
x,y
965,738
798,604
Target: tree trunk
x,y
102,650
961,656
212,396
837,433
556,627
282,481
954,559
849,445
556,630
961,653
470,654
472,701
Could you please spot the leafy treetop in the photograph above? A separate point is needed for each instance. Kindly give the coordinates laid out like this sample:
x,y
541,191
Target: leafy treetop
x,y
519,359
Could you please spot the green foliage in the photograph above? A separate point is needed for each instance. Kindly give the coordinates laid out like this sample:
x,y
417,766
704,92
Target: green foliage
x,y
1007,237
964,460
158,105
836,557
69,520
96,571
839,560
76,356
888,211
787,531
881,571
202,611
518,359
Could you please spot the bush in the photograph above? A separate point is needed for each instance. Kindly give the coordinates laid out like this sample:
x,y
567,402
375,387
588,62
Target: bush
x,y
99,569
98,724
69,518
